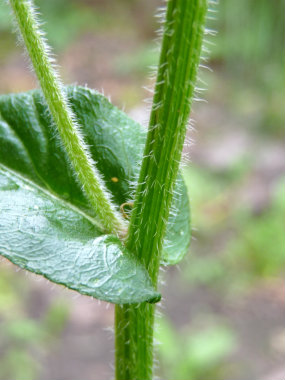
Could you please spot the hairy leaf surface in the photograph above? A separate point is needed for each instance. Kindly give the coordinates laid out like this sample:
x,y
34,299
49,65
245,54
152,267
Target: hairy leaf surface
x,y
31,150
47,236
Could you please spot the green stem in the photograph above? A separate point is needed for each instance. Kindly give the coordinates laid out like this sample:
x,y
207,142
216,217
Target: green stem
x,y
68,128
179,60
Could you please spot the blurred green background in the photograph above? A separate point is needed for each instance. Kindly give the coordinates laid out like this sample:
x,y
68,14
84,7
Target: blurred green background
x,y
223,313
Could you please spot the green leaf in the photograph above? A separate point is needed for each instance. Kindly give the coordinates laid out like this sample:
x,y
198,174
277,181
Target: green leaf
x,y
178,231
47,236
31,149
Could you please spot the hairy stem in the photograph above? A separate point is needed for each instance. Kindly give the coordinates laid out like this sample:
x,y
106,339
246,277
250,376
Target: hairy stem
x,y
179,60
68,128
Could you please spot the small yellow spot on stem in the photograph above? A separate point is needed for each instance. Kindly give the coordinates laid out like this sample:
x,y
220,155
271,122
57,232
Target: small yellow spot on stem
x,y
115,179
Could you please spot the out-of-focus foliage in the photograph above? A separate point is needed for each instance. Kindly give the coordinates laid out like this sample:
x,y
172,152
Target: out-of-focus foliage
x,y
25,340
250,43
254,248
207,344
66,20
249,32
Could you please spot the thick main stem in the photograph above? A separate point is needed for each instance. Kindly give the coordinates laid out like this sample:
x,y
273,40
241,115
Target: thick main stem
x,y
179,60
69,131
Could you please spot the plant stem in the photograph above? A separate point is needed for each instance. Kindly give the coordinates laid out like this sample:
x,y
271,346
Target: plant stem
x,y
69,131
178,66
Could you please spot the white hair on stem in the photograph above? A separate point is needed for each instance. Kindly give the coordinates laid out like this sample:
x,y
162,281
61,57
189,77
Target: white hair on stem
x,y
78,152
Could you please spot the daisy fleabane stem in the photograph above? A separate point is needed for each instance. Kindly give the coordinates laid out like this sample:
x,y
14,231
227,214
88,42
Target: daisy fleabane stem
x,y
65,120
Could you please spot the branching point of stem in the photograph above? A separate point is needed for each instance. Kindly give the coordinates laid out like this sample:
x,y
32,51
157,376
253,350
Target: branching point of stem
x,y
78,153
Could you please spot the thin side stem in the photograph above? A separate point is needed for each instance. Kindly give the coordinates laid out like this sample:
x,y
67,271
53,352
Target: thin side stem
x,y
177,72
68,128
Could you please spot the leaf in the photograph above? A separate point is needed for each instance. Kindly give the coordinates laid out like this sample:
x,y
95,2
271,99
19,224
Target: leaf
x,y
178,231
31,148
46,236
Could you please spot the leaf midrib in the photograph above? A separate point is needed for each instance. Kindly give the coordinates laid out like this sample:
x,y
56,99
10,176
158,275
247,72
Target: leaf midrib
x,y
52,195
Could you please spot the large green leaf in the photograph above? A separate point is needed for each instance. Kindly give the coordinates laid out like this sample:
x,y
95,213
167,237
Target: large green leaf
x,y
47,236
31,148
